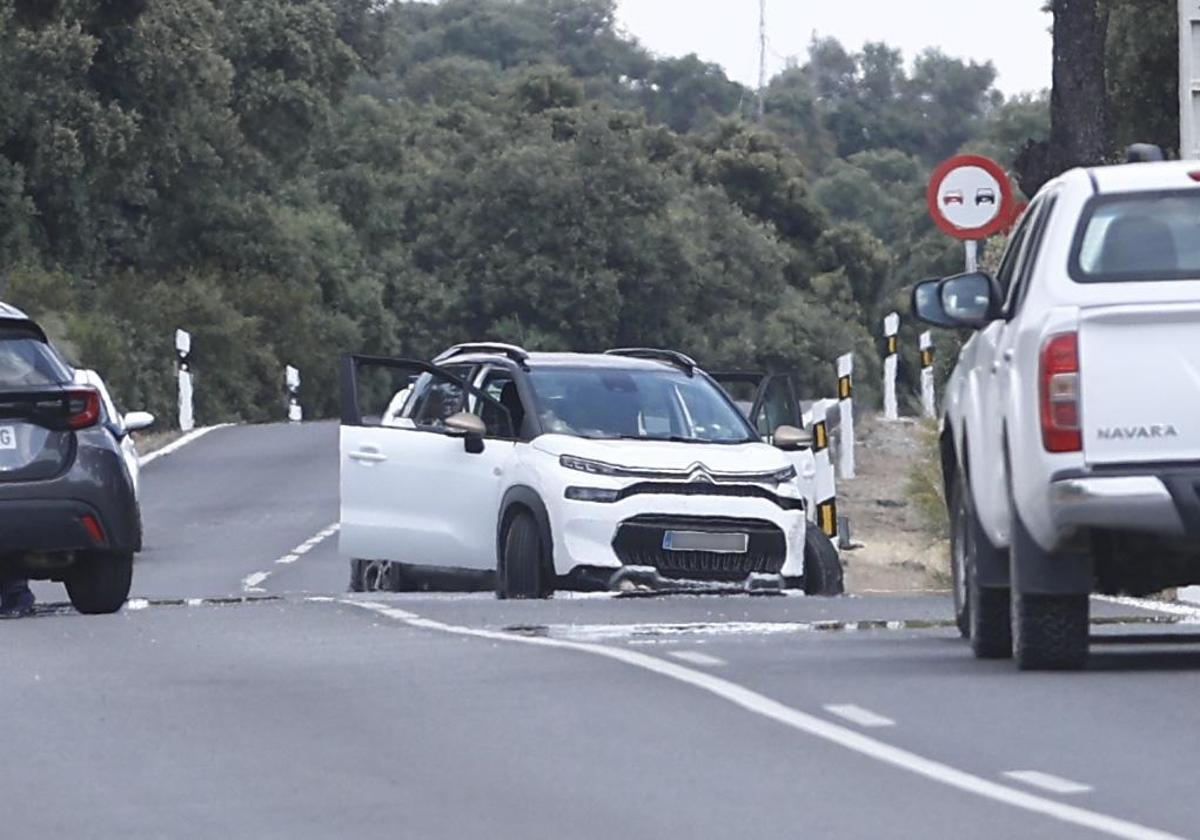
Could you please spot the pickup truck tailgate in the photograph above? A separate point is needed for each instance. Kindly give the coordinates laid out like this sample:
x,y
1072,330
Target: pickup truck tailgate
x,y
1140,383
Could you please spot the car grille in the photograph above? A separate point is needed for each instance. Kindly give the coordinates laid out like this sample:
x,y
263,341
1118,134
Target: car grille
x,y
701,488
639,543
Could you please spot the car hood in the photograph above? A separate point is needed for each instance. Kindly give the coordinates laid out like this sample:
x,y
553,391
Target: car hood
x,y
755,457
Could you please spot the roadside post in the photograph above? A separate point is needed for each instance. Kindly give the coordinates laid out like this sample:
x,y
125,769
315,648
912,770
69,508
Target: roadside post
x,y
845,371
891,333
183,349
1189,79
825,482
291,378
928,399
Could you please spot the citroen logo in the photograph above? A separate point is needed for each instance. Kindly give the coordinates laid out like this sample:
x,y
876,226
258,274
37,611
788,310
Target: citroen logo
x,y
700,475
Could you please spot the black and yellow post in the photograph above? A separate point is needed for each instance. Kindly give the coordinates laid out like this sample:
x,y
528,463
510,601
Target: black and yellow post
x,y
826,494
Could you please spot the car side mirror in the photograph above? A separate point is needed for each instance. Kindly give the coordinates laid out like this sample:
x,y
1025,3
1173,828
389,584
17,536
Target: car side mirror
x,y
964,300
790,438
136,421
470,427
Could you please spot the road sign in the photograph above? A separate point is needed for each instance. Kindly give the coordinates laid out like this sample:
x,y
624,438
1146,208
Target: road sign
x,y
970,197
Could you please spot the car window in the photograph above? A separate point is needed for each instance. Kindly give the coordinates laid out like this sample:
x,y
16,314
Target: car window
x,y
1039,217
642,404
1012,254
435,398
28,362
500,384
1138,237
778,408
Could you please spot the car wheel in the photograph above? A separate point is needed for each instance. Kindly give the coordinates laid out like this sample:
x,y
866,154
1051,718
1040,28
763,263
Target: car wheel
x,y
522,572
822,566
982,613
1050,632
99,581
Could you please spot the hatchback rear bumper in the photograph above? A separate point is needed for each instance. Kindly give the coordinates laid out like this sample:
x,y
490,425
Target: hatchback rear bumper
x,y
49,526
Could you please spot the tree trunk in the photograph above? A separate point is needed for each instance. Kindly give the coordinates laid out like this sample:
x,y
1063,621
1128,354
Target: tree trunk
x,y
1078,101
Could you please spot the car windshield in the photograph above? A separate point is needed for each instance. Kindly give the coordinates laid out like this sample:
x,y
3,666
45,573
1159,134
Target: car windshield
x,y
636,404
26,361
1139,237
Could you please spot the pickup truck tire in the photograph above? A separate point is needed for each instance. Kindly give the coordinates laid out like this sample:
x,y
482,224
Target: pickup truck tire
x,y
983,614
822,567
99,581
1050,632
522,573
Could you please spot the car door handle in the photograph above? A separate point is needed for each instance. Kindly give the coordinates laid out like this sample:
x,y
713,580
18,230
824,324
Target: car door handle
x,y
368,456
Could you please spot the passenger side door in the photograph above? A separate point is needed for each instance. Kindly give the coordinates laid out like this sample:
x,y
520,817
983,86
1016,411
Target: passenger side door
x,y
411,489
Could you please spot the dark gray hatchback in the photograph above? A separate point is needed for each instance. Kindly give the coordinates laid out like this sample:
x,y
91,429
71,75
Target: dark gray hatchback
x,y
68,508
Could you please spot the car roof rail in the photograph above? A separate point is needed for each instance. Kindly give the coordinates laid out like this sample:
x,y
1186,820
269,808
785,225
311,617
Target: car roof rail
x,y
671,357
518,354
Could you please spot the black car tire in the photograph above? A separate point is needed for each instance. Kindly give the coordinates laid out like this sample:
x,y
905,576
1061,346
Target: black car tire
x,y
1050,632
522,573
99,581
823,573
983,614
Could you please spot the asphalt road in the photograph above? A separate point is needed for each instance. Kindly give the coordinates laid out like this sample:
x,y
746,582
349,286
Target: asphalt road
x,y
307,713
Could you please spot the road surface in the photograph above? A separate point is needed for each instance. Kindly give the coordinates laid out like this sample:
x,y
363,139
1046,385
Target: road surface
x,y
304,712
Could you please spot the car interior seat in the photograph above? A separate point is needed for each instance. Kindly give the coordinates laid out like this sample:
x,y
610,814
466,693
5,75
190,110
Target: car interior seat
x,y
1138,244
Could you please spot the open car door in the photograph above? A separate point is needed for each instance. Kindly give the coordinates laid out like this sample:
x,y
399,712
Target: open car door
x,y
767,399
415,487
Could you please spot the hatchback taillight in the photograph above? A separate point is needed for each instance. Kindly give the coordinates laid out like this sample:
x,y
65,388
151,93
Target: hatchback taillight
x,y
1059,392
83,408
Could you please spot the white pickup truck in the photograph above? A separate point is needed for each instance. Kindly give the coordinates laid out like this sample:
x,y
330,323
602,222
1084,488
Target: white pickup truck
x,y
1071,428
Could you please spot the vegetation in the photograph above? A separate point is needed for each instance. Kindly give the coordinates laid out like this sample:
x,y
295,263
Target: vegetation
x,y
292,179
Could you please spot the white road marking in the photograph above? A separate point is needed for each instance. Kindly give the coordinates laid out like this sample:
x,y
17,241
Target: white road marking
x,y
850,739
1054,784
697,658
250,583
1190,614
136,604
174,445
859,715
253,582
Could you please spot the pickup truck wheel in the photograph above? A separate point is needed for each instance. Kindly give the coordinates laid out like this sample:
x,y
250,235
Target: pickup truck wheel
x,y
822,566
99,581
1050,632
982,614
522,573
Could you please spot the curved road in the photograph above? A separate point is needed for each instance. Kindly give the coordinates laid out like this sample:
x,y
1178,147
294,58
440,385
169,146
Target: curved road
x,y
307,713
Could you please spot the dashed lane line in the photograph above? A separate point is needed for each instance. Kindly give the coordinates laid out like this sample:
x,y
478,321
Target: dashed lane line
x,y
858,715
1045,781
696,657
850,739
253,582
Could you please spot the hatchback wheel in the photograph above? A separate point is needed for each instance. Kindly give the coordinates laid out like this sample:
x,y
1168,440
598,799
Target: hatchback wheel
x,y
523,571
99,581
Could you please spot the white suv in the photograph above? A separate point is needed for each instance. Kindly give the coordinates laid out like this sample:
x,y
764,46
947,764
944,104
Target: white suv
x,y
534,471
1071,436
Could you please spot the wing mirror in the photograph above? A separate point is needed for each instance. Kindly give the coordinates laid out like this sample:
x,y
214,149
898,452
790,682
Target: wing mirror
x,y
790,438
964,300
136,421
470,427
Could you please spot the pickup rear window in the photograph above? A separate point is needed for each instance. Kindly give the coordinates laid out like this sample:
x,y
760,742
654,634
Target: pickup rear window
x,y
1139,237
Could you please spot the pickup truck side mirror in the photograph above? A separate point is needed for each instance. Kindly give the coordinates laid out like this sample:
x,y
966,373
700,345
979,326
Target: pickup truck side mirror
x,y
964,300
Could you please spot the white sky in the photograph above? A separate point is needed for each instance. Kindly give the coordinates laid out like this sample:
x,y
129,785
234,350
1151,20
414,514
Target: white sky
x,y
1013,34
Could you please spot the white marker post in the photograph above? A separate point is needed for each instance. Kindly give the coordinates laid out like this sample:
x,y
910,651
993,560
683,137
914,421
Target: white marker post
x,y
291,378
183,349
825,483
891,332
928,399
845,371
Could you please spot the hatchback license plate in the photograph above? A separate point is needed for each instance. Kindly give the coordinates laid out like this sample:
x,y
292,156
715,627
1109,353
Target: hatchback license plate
x,y
8,437
706,541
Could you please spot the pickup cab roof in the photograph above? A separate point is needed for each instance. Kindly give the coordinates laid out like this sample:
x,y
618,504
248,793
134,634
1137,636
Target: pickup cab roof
x,y
1146,177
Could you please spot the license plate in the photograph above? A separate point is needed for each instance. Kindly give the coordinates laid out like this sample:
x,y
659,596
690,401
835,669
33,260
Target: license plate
x,y
706,541
8,437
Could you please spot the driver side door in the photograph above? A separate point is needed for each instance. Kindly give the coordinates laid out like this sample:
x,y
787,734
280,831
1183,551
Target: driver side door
x,y
411,492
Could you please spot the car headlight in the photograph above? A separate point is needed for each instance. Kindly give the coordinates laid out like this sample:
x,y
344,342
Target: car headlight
x,y
785,475
572,462
592,494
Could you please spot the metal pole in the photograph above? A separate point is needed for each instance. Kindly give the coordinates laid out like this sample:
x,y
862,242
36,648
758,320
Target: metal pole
x,y
762,60
971,247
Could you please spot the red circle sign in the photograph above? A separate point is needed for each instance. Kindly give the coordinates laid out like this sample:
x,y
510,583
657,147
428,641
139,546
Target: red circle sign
x,y
970,197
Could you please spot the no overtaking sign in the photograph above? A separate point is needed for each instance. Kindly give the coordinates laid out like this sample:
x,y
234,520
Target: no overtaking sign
x,y
970,197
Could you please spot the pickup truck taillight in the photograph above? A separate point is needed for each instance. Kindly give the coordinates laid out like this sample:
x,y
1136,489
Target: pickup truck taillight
x,y
1059,393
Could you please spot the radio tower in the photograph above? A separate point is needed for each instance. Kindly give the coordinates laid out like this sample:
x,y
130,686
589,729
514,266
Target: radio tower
x,y
762,59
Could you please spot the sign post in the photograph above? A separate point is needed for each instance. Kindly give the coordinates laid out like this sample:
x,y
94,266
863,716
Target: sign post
x,y
183,349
